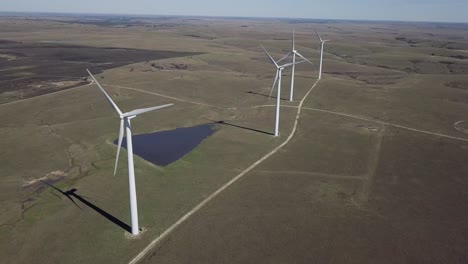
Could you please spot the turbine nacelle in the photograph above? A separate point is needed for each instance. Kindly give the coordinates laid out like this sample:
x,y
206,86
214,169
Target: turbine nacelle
x,y
127,117
320,38
284,65
294,52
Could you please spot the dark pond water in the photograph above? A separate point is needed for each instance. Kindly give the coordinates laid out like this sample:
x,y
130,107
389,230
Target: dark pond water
x,y
164,147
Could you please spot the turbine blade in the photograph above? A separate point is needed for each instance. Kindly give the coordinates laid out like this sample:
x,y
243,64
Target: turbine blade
x,y
274,83
144,110
290,64
269,56
304,58
284,57
107,96
121,132
318,35
293,40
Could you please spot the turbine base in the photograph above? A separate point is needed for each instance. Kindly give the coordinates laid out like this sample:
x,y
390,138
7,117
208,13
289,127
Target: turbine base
x,y
130,236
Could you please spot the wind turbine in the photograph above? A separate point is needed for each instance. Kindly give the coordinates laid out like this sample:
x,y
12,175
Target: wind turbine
x,y
321,53
125,122
293,52
279,72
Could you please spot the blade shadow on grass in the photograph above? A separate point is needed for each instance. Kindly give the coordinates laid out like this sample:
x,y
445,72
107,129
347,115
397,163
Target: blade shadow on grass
x,y
242,127
70,194
266,95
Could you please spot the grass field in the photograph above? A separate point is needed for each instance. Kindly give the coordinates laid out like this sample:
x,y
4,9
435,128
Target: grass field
x,y
374,173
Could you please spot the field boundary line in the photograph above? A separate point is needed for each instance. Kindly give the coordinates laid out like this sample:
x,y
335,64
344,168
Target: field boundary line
x,y
373,120
387,124
225,186
165,96
317,174
42,95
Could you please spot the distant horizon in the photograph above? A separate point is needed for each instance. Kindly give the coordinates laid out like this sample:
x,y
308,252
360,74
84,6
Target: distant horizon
x,y
228,16
447,11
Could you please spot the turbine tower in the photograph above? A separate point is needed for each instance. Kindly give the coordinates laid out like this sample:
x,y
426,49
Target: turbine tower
x,y
279,72
293,52
321,52
125,123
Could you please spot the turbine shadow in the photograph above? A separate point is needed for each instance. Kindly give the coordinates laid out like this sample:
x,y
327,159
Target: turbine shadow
x,y
266,95
70,194
247,128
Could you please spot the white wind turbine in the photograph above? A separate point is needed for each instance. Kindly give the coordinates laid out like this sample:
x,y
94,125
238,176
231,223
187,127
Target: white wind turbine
x,y
321,52
279,72
125,122
294,52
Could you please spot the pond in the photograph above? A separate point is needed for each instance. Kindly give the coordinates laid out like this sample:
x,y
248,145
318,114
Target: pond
x,y
165,147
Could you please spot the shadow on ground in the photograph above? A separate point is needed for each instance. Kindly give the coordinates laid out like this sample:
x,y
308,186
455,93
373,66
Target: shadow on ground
x,y
72,195
265,95
242,127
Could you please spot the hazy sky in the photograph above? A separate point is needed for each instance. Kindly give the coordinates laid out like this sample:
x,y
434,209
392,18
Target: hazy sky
x,y
408,10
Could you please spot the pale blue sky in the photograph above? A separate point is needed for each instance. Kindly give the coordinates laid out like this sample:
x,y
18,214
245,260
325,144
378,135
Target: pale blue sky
x,y
409,10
